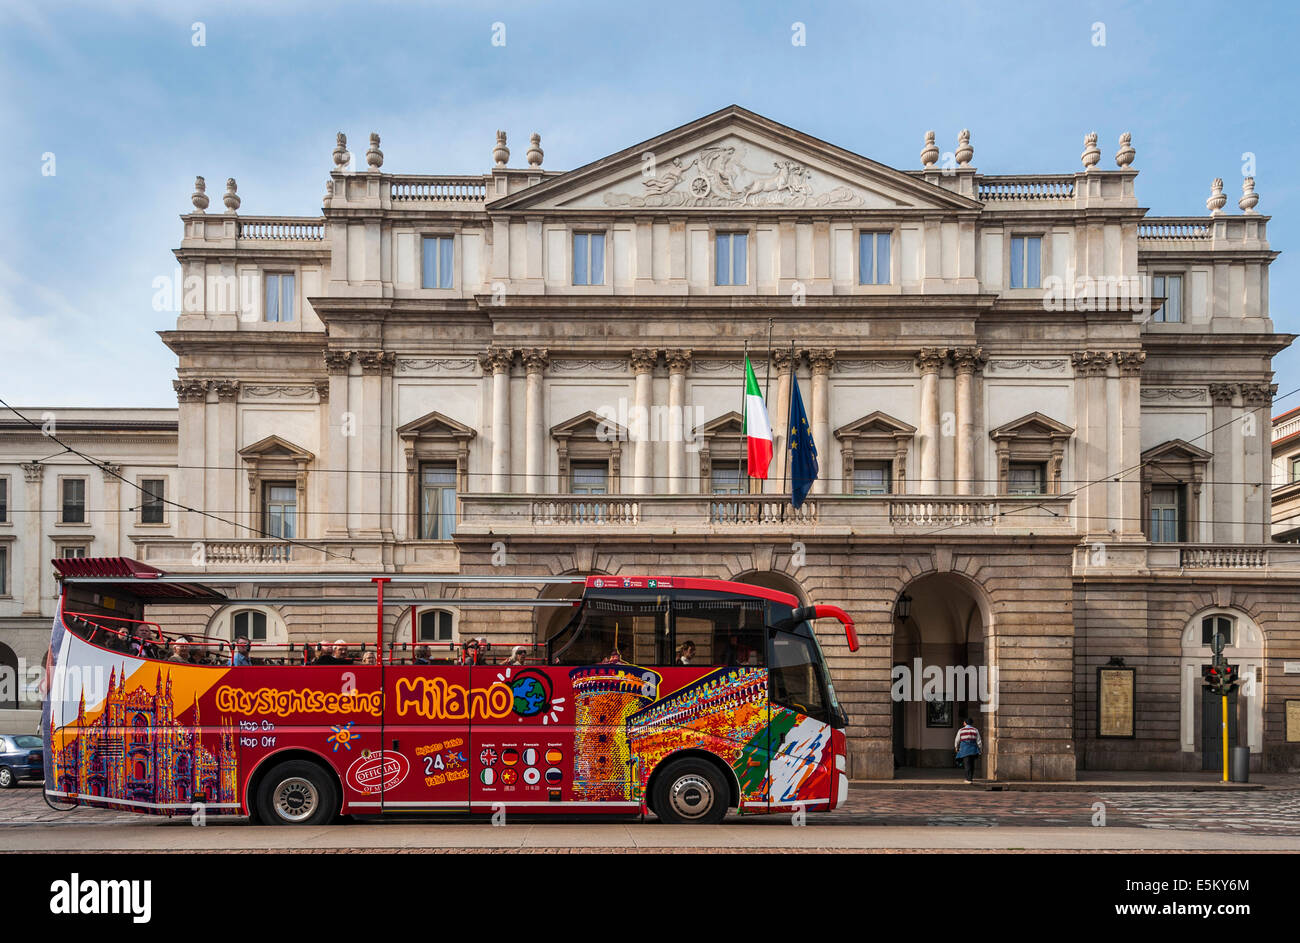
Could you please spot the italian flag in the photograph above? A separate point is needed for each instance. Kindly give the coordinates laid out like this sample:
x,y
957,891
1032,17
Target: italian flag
x,y
758,431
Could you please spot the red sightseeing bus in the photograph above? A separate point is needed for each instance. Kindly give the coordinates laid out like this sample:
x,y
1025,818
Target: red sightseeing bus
x,y
684,697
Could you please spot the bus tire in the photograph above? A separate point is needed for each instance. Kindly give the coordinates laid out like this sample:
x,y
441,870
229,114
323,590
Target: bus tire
x,y
690,791
297,792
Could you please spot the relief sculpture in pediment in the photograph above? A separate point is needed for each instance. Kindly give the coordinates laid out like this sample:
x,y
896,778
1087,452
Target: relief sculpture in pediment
x,y
715,177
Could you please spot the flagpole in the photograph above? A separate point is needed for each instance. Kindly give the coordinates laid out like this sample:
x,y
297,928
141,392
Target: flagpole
x,y
789,418
744,444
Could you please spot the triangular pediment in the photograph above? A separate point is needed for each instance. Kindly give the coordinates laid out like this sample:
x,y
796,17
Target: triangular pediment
x,y
436,426
1032,426
875,424
731,423
274,447
1176,450
734,159
590,425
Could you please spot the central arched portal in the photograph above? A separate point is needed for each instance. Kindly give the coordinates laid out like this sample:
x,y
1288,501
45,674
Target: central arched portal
x,y
940,672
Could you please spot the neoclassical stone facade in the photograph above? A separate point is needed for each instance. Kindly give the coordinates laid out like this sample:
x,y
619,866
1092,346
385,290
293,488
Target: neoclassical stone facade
x,y
1040,414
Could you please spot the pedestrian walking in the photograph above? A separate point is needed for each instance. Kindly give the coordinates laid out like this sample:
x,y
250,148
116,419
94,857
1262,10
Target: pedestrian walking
x,y
968,746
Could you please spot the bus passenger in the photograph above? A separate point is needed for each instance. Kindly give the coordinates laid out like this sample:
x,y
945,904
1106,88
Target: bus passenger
x,y
517,655
686,653
179,650
338,655
368,658
421,654
239,657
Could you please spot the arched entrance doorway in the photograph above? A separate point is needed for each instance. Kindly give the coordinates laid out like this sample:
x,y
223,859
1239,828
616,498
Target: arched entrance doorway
x,y
11,681
1243,647
940,672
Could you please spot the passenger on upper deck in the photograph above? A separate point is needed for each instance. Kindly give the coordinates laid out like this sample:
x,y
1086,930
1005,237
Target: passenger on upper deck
x,y
517,655
239,657
338,655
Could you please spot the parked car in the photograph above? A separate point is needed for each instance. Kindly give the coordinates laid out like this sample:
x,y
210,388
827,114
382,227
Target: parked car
x,y
22,756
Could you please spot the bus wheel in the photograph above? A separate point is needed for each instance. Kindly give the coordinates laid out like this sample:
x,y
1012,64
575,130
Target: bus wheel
x,y
690,791
297,793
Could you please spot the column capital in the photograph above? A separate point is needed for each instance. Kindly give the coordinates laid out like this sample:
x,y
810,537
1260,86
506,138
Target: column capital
x,y
33,472
497,359
191,390
111,471
1222,393
1258,394
535,358
821,359
337,361
679,359
1130,362
1091,363
644,359
322,390
783,359
930,359
969,359
227,390
376,361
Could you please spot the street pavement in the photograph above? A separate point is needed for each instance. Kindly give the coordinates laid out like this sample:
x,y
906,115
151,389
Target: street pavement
x,y
874,819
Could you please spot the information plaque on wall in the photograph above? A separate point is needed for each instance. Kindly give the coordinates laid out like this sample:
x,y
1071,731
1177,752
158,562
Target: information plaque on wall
x,y
1115,690
1293,721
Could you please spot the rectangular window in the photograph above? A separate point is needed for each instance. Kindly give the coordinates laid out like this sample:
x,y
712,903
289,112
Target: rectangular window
x,y
74,501
1025,478
437,268
251,625
151,510
4,571
436,626
1170,289
728,476
730,258
1026,261
1295,469
873,258
437,501
73,551
589,478
280,509
279,297
588,258
4,500
1166,505
872,477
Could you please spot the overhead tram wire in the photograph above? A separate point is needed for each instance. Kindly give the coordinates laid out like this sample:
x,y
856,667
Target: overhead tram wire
x,y
105,468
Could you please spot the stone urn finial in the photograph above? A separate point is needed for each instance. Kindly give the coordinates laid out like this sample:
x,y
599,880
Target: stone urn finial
x,y
534,154
341,155
929,153
501,153
200,195
1091,152
230,197
374,156
1215,203
329,193
1124,156
1249,198
964,151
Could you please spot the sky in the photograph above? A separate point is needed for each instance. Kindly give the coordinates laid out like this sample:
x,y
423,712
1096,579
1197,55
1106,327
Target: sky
x,y
132,106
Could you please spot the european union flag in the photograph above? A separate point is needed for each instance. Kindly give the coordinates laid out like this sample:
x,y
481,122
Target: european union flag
x,y
803,451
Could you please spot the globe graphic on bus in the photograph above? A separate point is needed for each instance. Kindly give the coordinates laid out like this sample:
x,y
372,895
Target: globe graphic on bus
x,y
531,696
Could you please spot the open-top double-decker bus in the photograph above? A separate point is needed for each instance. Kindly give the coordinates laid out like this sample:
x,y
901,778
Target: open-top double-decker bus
x,y
684,697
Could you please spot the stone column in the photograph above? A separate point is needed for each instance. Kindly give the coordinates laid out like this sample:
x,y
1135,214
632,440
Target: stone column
x,y
967,361
821,361
1092,365
1127,493
375,365
1258,397
1222,486
643,365
498,360
535,361
779,477
113,510
929,360
1236,448
223,489
335,447
191,444
33,537
680,420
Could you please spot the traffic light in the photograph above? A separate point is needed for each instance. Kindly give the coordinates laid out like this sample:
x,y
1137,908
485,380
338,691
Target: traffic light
x,y
1211,675
1229,678
1221,679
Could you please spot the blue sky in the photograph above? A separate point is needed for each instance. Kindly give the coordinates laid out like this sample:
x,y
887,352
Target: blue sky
x,y
132,110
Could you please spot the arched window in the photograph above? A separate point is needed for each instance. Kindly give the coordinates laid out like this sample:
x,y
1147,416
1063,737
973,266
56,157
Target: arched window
x,y
262,625
436,625
250,624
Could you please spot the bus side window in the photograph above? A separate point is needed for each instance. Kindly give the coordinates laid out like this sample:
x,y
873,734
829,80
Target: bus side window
x,y
794,678
617,630
725,631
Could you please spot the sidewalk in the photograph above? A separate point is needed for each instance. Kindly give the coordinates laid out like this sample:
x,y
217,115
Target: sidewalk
x,y
1087,781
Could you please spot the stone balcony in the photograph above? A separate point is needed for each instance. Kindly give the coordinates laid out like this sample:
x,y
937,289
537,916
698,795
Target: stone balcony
x,y
1121,560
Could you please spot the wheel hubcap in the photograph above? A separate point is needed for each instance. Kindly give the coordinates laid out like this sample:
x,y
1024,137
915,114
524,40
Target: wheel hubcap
x,y
6,777
296,799
691,796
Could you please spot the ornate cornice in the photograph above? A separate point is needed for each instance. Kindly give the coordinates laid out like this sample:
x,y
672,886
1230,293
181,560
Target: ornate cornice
x,y
191,391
